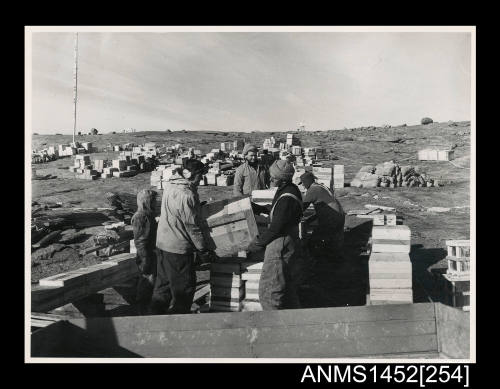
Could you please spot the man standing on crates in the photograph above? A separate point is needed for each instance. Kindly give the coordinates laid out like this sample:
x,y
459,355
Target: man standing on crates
x,y
328,237
280,271
250,175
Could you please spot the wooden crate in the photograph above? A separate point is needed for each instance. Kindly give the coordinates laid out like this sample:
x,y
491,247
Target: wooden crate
x,y
400,232
390,246
458,248
64,288
230,225
445,155
263,196
458,265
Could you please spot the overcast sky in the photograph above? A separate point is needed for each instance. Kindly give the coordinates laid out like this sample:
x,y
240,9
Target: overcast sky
x,y
249,81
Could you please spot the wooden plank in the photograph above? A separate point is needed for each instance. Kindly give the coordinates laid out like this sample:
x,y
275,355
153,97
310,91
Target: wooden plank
x,y
203,291
90,280
64,279
231,268
226,281
251,276
453,331
462,243
228,292
269,334
391,246
390,283
401,232
390,276
412,312
225,219
389,267
278,335
251,306
251,265
47,316
392,259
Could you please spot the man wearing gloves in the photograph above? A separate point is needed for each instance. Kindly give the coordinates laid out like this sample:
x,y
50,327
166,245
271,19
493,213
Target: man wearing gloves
x,y
144,226
250,175
179,237
279,277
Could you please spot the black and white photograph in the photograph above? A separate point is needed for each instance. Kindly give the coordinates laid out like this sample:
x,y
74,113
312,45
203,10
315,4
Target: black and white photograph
x,y
250,194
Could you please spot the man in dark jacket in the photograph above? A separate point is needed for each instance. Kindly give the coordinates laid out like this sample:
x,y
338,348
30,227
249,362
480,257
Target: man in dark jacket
x,y
144,226
280,271
327,239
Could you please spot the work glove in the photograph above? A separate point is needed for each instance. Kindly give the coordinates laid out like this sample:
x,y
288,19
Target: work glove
x,y
207,256
258,209
150,278
253,247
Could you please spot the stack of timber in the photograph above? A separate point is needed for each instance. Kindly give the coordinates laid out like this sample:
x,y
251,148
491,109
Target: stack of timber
x,y
41,320
390,268
427,330
230,225
251,271
65,288
227,289
455,283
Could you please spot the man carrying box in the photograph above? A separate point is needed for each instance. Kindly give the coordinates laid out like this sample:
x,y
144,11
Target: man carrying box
x,y
280,271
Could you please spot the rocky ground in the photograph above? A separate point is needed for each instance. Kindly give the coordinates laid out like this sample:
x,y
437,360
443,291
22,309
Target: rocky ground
x,y
434,214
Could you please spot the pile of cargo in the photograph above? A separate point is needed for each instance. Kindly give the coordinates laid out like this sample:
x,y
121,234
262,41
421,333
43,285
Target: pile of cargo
x,y
52,153
42,157
391,174
103,168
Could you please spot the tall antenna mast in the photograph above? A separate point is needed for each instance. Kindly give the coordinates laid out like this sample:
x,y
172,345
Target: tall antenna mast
x,y
75,87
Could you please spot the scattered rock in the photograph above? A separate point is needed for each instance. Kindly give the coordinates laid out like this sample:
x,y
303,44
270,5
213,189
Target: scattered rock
x,y
375,197
46,252
426,121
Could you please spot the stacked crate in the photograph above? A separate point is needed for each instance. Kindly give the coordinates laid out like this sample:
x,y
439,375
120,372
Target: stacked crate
x,y
156,176
390,268
292,140
263,196
338,176
435,155
227,289
120,167
324,176
456,281
251,272
225,180
211,178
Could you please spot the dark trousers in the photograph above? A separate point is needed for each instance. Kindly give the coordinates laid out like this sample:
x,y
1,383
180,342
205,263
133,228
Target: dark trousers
x,y
175,284
280,277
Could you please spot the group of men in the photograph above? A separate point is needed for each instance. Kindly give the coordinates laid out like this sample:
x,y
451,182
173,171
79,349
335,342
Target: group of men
x,y
166,250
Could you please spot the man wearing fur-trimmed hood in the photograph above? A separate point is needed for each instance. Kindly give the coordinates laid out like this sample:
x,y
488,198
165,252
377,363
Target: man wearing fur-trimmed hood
x,y
144,226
